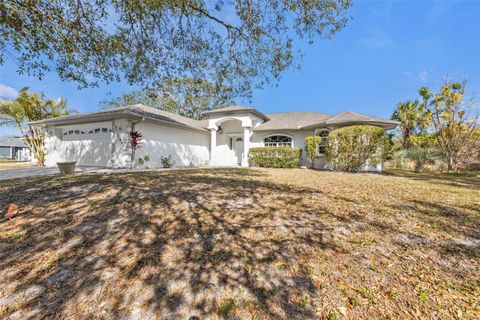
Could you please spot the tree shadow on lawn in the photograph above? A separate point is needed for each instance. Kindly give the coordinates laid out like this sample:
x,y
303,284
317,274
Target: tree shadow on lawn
x,y
180,244
454,221
469,180
171,244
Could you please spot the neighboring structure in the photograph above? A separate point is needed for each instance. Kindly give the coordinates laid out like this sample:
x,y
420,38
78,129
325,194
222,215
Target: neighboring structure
x,y
13,148
223,139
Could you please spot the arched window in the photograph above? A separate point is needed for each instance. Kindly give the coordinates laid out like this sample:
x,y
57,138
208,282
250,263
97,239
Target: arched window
x,y
278,141
323,134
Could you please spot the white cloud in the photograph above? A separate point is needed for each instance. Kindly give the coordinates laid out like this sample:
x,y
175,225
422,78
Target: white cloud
x,y
377,38
7,92
407,73
424,74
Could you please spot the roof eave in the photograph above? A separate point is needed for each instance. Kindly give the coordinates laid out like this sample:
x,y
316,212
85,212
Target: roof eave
x,y
387,124
251,110
82,119
279,129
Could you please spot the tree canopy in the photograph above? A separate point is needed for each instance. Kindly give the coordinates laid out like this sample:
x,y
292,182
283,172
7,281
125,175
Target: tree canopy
x,y
228,42
413,117
443,123
188,97
454,121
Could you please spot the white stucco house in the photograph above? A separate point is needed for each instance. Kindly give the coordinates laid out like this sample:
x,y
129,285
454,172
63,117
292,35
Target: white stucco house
x,y
223,139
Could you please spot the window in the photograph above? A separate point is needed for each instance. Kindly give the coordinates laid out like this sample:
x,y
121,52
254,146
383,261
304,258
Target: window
x,y
91,131
278,141
4,152
323,141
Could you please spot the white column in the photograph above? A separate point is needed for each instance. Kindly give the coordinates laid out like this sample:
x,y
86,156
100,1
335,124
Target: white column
x,y
246,146
213,145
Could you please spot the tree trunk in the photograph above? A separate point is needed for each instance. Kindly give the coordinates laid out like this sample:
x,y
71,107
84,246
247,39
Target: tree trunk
x,y
132,158
450,165
406,139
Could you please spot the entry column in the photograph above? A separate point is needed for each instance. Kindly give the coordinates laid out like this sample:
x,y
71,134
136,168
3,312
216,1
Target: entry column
x,y
246,145
213,145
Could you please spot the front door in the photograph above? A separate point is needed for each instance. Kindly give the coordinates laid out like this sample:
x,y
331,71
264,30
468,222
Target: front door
x,y
238,147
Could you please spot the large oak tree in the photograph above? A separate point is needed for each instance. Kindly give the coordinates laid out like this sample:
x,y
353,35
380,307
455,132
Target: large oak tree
x,y
142,41
185,96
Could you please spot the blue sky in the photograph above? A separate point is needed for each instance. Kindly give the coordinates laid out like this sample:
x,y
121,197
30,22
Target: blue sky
x,y
386,52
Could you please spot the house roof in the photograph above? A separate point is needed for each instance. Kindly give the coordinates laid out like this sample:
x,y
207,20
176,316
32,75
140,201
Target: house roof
x,y
12,141
136,111
310,120
343,117
273,121
292,120
234,108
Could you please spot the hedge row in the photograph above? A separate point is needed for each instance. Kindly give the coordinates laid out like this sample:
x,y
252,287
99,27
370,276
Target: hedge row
x,y
275,157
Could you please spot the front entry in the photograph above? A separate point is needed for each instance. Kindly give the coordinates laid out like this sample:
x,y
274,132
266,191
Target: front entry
x,y
238,147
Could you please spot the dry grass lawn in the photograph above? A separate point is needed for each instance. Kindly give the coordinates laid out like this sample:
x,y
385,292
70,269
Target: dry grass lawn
x,y
11,164
241,243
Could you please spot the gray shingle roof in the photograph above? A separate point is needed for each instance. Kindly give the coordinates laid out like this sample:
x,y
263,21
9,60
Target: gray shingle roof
x,y
228,109
138,110
12,141
273,121
348,116
310,120
235,108
167,116
292,120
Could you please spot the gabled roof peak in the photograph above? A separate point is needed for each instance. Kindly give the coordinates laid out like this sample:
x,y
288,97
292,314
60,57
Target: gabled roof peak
x,y
235,108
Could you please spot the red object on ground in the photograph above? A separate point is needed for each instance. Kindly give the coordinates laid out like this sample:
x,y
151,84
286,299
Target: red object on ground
x,y
12,211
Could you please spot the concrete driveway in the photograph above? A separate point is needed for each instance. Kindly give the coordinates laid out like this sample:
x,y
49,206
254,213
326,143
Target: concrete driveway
x,y
39,171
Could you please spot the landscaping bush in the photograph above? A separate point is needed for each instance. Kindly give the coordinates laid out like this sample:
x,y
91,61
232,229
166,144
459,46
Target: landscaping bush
x,y
351,148
167,162
420,157
311,148
275,157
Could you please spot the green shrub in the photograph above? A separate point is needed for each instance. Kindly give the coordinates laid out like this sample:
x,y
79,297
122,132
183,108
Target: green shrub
x,y
419,156
167,162
351,148
274,157
311,148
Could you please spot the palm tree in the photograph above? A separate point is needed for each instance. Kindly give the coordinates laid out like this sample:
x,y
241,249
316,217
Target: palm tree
x,y
413,117
27,107
419,156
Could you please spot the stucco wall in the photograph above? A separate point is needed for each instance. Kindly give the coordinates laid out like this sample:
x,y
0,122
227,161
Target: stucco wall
x,y
225,154
87,144
109,146
187,147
